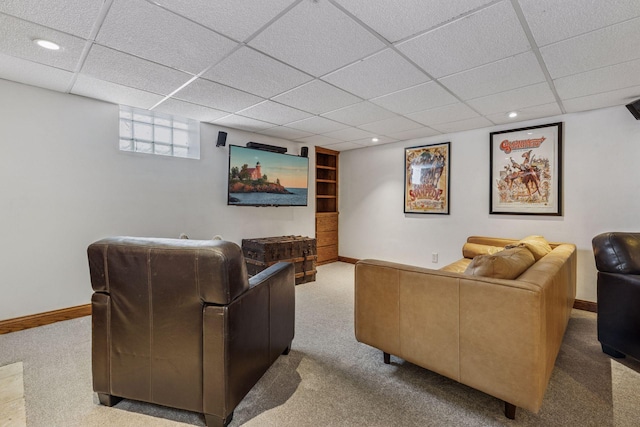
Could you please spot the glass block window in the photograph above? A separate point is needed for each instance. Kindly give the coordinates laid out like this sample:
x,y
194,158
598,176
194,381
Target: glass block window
x,y
144,131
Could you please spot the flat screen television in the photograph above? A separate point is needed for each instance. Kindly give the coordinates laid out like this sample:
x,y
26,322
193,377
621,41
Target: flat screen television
x,y
265,178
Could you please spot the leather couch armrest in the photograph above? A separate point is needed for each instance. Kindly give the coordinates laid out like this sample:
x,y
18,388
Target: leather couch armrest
x,y
617,252
277,272
280,278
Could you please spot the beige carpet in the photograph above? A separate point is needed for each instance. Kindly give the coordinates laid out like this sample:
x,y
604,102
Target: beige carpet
x,y
329,379
12,412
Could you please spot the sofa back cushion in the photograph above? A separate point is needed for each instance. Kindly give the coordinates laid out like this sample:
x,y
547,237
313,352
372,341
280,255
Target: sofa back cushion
x,y
537,245
506,264
472,250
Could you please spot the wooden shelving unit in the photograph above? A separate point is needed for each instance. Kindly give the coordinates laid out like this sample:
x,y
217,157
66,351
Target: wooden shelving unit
x,y
327,204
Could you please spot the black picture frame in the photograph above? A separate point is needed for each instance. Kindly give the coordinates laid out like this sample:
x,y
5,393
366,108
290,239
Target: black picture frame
x,y
526,171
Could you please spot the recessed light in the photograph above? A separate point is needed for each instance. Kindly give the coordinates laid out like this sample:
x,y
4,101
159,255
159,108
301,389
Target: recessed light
x,y
374,140
512,114
47,44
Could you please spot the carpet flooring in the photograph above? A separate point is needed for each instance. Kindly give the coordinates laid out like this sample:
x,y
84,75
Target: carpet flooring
x,y
329,379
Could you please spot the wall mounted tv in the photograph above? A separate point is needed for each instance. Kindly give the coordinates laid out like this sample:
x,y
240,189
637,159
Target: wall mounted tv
x,y
264,178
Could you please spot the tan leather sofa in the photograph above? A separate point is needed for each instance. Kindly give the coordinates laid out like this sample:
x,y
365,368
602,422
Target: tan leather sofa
x,y
176,322
500,336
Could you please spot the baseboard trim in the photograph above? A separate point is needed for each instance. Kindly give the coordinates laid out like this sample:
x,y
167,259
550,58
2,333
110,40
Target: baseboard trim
x,y
41,319
347,259
585,305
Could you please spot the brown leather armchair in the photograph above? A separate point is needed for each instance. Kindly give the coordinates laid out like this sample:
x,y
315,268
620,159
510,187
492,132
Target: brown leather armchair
x,y
177,323
618,261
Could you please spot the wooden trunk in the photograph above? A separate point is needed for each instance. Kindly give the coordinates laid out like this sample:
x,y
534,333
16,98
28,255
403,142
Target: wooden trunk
x,y
261,253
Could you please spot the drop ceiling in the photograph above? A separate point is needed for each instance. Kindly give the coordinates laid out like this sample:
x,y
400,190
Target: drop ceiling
x,y
332,73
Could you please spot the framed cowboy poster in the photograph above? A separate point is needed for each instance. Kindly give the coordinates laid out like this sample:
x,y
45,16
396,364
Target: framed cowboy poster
x,y
426,179
526,171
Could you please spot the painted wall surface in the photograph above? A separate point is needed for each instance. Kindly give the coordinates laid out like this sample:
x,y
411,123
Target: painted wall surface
x,y
65,184
601,186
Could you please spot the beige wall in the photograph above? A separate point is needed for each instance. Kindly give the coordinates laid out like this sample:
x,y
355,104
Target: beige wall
x,y
64,184
601,184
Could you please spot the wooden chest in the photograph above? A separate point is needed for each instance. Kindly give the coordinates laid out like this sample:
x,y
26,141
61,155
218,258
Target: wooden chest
x,y
263,252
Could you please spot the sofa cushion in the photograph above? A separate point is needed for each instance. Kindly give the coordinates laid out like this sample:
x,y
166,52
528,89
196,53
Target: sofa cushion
x,y
506,264
537,245
457,267
472,250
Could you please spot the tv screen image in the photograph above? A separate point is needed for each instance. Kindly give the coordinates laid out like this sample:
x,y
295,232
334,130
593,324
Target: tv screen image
x,y
265,178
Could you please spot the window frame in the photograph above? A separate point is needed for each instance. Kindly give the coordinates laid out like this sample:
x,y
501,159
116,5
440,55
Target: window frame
x,y
138,133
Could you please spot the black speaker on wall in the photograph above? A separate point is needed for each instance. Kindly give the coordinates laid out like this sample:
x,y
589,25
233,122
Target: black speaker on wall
x,y
634,108
304,152
222,139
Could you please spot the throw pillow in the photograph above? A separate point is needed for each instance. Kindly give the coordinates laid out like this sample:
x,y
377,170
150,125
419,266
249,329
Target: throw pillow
x,y
506,264
472,250
538,246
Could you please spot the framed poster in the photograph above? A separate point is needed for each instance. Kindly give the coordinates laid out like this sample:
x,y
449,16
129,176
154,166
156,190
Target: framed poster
x,y
526,171
426,179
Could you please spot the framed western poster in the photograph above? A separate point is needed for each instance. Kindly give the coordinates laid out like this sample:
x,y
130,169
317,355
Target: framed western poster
x,y
426,179
526,171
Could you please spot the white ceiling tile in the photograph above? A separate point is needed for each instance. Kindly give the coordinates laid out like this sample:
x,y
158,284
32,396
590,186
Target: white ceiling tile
x,y
21,43
243,123
483,37
273,112
55,14
117,67
31,73
608,46
115,93
392,125
256,73
417,98
510,73
236,19
377,75
214,95
475,48
186,109
350,134
368,142
342,146
359,114
285,133
318,140
530,113
150,32
602,100
462,125
553,20
601,80
317,97
414,134
319,27
447,113
316,124
395,20
515,99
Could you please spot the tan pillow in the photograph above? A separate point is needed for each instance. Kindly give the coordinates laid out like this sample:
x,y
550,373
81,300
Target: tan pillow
x,y
472,250
506,264
538,246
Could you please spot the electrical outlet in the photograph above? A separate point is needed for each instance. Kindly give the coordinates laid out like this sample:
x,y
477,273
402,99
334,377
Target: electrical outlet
x,y
434,257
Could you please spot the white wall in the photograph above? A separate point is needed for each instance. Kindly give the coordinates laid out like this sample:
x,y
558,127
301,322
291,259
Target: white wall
x,y
65,184
601,193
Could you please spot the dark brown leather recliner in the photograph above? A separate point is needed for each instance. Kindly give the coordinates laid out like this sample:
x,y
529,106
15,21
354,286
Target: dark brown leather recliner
x,y
618,262
177,323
